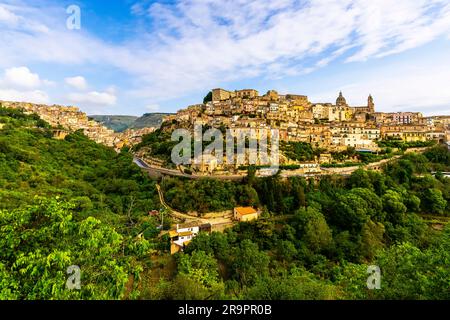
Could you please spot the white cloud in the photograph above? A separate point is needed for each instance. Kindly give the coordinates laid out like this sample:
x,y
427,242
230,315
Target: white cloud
x,y
77,82
21,77
7,17
20,84
93,98
384,28
35,96
422,87
200,44
16,21
197,44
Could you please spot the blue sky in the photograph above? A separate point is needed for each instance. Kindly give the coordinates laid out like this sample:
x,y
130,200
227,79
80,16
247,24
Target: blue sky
x,y
138,56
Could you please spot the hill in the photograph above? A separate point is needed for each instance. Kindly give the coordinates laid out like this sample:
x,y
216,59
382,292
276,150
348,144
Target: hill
x,y
116,123
122,123
149,120
69,202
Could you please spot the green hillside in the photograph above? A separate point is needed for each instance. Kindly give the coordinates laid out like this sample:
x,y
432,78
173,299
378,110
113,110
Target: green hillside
x,y
122,123
116,123
149,120
69,202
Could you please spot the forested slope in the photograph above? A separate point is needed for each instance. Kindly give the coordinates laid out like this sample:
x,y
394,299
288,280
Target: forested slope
x,y
316,241
69,202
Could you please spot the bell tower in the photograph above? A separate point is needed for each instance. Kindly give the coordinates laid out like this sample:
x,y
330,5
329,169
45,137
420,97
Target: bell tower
x,y
370,104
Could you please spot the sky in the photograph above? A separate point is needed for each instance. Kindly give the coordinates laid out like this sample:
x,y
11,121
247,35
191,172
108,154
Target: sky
x,y
131,57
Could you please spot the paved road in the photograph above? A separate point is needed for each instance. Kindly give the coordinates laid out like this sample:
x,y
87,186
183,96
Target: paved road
x,y
284,173
175,173
186,217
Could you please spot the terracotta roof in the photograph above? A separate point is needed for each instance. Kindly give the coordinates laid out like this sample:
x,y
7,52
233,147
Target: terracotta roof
x,y
245,210
173,233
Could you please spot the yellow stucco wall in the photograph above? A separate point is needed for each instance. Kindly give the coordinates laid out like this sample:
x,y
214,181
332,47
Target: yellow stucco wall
x,y
249,217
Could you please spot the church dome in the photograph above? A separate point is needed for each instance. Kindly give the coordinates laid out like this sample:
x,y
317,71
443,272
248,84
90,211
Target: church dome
x,y
340,101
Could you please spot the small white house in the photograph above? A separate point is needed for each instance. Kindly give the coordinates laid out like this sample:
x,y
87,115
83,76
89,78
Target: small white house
x,y
182,235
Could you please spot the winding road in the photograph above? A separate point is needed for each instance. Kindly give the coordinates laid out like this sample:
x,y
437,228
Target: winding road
x,y
222,221
159,171
175,173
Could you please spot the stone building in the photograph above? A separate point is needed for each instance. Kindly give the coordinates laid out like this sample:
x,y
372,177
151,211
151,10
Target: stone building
x,y
221,95
370,108
245,214
247,93
406,117
408,133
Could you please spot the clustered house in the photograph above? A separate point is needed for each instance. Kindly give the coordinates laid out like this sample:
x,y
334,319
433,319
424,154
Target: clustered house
x,y
331,127
70,119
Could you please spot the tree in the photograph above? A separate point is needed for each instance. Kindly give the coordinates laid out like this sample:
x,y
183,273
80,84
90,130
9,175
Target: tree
x,y
40,242
184,287
411,201
394,207
313,229
200,267
401,171
347,247
207,98
372,239
434,202
249,196
352,279
249,263
348,213
438,154
378,181
286,250
301,197
419,161
360,179
300,151
202,242
251,175
298,285
371,202
411,273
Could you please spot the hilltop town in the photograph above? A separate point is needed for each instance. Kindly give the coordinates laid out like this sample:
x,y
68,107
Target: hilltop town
x,y
66,119
331,128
